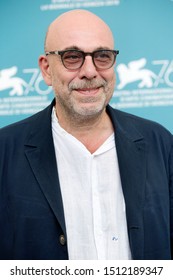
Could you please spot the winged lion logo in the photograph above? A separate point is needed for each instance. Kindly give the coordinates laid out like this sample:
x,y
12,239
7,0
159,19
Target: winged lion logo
x,y
133,72
8,81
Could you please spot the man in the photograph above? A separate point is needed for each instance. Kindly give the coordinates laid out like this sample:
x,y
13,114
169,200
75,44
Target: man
x,y
81,180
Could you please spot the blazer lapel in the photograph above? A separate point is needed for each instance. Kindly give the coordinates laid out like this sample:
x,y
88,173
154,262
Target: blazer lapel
x,y
131,151
39,150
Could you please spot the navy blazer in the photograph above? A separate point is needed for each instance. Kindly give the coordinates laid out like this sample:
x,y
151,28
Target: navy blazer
x,y
32,224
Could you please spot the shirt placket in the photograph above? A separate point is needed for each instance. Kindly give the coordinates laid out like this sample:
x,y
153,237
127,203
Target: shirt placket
x,y
97,211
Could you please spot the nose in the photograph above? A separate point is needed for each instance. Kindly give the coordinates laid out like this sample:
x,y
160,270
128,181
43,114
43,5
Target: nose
x,y
88,69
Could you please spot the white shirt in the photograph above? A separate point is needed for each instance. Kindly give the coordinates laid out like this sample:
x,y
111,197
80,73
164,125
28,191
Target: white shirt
x,y
92,196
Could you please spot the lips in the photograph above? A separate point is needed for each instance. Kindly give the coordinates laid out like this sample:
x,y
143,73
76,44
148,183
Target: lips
x,y
88,91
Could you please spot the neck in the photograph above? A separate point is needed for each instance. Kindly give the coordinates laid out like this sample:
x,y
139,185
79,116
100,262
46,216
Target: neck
x,y
91,131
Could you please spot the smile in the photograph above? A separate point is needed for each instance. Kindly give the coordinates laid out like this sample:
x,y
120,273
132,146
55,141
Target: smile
x,y
88,91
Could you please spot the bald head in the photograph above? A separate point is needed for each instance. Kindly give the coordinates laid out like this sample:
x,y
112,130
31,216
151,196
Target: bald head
x,y
78,27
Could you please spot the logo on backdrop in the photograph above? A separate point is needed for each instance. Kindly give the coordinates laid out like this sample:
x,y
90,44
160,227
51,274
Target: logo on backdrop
x,y
15,84
143,84
133,72
139,84
22,95
77,4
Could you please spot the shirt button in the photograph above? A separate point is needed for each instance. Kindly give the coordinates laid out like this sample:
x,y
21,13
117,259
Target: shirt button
x,y
62,239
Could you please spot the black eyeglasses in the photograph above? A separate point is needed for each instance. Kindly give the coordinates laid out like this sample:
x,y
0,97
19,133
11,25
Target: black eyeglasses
x,y
74,59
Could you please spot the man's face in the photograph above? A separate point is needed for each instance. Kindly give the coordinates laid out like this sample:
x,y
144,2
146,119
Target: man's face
x,y
85,91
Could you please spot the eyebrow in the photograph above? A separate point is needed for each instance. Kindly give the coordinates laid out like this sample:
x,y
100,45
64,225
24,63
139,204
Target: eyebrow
x,y
72,48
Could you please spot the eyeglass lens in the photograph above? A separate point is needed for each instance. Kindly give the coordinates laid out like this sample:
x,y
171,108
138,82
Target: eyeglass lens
x,y
74,59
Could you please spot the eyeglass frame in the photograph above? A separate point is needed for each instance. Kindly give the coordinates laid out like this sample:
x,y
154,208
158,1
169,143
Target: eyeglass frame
x,y
84,54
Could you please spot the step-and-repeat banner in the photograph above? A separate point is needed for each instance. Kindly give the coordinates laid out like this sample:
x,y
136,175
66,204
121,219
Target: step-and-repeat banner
x,y
143,32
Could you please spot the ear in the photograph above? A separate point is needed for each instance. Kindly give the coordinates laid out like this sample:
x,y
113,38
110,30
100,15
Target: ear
x,y
45,69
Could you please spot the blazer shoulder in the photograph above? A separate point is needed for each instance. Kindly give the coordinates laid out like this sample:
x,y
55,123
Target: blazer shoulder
x,y
26,125
145,127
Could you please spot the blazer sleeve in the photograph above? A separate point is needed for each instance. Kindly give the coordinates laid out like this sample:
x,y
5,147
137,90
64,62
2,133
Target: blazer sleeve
x,y
5,223
171,198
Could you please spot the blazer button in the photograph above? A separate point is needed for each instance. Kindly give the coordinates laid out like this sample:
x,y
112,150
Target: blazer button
x,y
62,239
